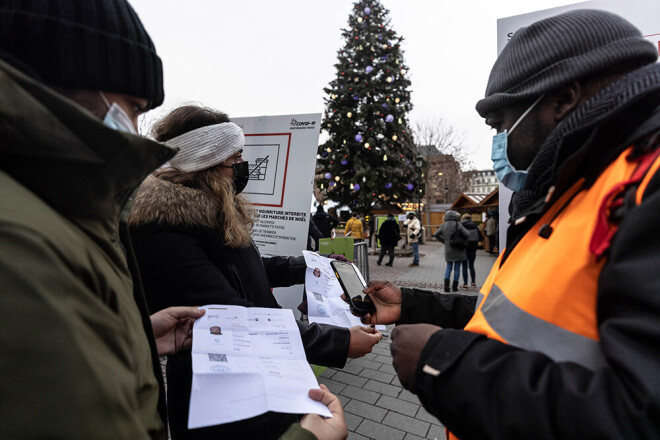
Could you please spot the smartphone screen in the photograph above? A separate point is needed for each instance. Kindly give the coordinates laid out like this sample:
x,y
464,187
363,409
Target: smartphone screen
x,y
352,285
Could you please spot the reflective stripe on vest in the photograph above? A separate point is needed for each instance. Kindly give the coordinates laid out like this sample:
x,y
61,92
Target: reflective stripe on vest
x,y
561,345
543,298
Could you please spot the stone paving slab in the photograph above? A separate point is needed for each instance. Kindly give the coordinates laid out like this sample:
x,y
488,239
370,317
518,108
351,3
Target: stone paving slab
x,y
365,410
352,421
405,423
400,406
376,405
380,376
354,436
349,379
360,394
382,388
334,387
410,436
437,432
379,431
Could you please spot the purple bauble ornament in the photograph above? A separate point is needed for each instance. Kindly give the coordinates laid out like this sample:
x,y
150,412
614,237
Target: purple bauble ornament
x,y
410,187
385,106
331,184
367,10
389,118
356,97
388,185
384,58
344,161
358,137
328,176
369,69
356,187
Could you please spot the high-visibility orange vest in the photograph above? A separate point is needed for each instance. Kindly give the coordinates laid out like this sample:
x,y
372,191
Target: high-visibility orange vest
x,y
543,298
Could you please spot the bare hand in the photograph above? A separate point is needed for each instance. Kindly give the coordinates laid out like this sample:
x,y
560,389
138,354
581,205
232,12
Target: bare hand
x,y
326,429
172,328
362,340
407,344
387,299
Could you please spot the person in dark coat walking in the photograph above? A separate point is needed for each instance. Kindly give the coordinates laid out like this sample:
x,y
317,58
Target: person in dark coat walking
x,y
473,239
389,235
324,222
191,234
491,231
453,255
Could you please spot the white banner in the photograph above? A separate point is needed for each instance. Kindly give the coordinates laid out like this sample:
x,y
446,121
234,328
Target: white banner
x,y
283,151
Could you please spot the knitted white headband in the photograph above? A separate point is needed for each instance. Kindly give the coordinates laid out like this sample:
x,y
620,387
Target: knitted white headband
x,y
206,146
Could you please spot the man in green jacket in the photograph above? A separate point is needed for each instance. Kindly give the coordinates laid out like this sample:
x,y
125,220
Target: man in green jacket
x,y
79,357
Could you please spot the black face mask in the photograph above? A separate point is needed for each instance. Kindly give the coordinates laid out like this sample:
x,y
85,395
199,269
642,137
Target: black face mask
x,y
242,173
241,176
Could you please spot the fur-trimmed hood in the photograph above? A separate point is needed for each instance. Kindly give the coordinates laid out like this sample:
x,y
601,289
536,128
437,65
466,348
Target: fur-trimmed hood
x,y
163,202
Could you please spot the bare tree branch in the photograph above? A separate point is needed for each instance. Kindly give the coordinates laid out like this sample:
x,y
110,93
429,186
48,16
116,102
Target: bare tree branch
x,y
445,137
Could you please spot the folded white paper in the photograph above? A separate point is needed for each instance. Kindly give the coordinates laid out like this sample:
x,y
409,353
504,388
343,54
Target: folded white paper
x,y
324,303
247,361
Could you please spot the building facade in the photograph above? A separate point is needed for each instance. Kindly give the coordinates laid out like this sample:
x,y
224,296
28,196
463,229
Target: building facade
x,y
482,182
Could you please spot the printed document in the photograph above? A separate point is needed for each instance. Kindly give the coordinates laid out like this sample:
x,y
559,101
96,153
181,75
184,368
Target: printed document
x,y
324,303
247,361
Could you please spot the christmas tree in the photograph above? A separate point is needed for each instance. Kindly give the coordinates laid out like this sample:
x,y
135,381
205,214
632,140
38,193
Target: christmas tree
x,y
369,156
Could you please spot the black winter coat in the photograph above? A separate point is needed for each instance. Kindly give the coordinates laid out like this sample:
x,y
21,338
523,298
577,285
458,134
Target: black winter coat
x,y
474,235
489,390
184,262
325,223
389,233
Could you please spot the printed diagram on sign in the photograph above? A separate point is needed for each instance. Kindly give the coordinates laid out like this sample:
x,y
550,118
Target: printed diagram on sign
x,y
263,168
258,169
267,157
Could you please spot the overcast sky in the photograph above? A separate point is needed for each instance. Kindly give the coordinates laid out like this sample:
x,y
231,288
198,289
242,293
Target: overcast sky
x,y
272,57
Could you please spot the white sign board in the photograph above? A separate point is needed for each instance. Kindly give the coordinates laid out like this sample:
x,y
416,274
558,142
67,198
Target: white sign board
x,y
645,14
281,152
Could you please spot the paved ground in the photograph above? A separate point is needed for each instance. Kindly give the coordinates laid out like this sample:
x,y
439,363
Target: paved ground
x,y
375,405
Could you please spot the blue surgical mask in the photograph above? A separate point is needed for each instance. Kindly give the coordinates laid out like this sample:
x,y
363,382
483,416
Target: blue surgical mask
x,y
506,173
116,118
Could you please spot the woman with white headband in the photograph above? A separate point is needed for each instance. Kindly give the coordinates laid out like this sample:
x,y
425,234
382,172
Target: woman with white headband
x,y
191,234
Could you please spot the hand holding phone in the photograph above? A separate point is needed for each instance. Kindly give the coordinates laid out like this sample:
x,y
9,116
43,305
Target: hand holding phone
x,y
352,286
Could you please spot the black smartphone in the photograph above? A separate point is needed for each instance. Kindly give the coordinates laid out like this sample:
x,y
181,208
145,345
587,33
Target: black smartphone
x,y
352,285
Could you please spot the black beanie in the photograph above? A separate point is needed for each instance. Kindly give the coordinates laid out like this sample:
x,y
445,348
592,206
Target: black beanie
x,y
82,44
558,50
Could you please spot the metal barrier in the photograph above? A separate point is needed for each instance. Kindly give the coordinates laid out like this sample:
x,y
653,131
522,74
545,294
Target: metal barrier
x,y
361,258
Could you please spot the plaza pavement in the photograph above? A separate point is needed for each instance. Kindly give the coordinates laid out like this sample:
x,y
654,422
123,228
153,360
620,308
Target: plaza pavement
x,y
375,404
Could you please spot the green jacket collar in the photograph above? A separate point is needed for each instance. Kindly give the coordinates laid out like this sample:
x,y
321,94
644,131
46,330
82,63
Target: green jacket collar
x,y
66,155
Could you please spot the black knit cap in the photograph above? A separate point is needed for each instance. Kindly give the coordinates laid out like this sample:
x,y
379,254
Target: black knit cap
x,y
558,50
82,44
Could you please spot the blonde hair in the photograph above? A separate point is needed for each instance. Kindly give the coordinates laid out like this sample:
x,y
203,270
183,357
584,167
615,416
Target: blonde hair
x,y
235,213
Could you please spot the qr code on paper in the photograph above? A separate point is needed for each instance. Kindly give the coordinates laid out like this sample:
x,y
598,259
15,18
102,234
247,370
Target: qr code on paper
x,y
215,357
318,297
